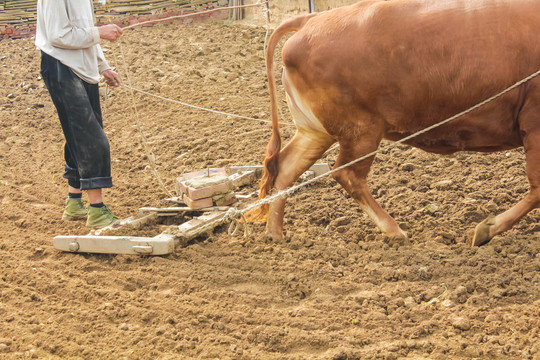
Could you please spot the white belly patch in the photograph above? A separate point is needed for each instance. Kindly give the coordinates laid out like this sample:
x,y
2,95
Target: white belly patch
x,y
302,115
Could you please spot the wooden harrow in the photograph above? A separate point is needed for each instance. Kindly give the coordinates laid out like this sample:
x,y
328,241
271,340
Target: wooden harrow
x,y
177,235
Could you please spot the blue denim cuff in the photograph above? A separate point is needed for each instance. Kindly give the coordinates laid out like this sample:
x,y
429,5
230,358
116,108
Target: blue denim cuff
x,y
96,183
72,175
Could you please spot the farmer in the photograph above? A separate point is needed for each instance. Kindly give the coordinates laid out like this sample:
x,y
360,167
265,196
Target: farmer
x,y
71,64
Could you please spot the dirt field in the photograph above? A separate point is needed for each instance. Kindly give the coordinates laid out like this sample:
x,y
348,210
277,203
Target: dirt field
x,y
334,290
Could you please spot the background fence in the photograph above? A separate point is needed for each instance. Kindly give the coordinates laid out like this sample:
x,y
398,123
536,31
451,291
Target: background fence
x,y
18,17
282,9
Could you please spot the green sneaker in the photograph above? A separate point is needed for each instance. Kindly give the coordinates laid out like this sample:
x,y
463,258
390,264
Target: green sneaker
x,y
74,210
100,217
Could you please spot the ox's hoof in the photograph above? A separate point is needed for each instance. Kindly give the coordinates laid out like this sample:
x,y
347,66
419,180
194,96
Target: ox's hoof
x,y
397,240
273,238
482,234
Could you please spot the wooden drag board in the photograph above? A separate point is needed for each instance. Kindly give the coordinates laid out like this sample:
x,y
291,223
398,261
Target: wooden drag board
x,y
161,244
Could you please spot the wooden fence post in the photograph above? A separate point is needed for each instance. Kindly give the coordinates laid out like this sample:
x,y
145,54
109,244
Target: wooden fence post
x,y
312,6
236,14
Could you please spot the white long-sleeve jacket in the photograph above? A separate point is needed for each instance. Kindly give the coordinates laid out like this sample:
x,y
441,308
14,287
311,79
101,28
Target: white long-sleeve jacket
x,y
66,31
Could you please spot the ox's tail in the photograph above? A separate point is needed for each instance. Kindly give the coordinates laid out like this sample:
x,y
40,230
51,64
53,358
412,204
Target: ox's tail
x,y
271,161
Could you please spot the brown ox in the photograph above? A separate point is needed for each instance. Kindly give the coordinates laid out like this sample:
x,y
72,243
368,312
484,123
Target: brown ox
x,y
387,69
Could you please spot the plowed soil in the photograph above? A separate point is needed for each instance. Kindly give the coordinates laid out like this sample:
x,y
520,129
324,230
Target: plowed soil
x,y
334,289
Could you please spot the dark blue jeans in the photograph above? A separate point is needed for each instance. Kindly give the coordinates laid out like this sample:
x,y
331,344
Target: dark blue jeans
x,y
87,153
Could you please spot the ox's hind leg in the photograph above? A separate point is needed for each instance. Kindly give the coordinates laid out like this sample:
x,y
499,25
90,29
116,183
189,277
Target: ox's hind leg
x,y
354,179
296,157
492,226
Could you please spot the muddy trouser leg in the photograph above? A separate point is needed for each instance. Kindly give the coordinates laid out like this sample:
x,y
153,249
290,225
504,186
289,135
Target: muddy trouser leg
x,y
87,153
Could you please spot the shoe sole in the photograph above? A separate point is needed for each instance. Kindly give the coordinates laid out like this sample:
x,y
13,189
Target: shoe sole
x,y
101,227
73,218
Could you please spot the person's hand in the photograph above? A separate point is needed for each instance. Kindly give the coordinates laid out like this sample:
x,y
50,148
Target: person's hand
x,y
112,78
110,32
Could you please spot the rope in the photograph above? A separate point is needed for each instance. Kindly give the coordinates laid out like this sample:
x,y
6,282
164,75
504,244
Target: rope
x,y
235,225
199,107
230,216
192,14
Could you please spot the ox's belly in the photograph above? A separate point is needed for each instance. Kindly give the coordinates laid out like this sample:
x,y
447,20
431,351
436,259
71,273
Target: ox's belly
x,y
450,139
